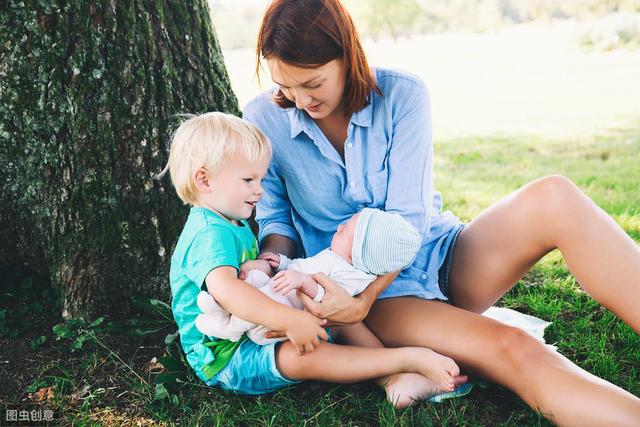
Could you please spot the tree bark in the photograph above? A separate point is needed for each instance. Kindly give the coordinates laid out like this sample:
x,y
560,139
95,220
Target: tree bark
x,y
89,95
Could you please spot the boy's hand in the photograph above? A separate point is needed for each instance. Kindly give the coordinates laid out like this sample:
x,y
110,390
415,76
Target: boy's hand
x,y
255,264
305,332
273,259
287,280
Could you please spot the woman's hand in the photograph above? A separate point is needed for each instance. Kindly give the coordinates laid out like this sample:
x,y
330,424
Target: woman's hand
x,y
337,306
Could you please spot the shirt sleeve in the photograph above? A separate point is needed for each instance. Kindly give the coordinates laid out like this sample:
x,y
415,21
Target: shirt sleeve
x,y
410,187
273,212
211,248
285,262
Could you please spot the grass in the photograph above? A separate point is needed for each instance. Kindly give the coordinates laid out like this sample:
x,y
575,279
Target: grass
x,y
104,372
522,79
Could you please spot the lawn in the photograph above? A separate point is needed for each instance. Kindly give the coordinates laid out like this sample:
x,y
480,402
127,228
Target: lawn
x,y
530,79
103,372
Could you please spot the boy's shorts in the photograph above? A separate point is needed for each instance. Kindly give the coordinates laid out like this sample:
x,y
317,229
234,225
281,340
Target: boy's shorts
x,y
252,370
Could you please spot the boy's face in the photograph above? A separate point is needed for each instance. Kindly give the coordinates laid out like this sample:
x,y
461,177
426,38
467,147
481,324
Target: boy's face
x,y
235,190
342,241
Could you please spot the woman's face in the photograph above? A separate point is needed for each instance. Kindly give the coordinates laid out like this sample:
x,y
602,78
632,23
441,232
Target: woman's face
x,y
318,91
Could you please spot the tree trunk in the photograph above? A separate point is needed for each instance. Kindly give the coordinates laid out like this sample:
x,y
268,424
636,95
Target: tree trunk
x,y
89,94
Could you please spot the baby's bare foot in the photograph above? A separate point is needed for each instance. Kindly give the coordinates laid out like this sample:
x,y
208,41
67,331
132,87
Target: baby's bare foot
x,y
440,369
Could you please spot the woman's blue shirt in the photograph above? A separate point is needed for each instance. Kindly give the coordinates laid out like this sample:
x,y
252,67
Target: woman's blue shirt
x,y
388,164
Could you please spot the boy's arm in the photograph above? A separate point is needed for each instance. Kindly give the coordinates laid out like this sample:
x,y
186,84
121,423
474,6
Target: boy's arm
x,y
246,302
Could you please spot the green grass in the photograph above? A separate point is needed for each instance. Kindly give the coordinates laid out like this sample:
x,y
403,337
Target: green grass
x,y
107,381
474,173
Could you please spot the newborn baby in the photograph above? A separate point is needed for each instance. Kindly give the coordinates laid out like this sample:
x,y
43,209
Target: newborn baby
x,y
371,243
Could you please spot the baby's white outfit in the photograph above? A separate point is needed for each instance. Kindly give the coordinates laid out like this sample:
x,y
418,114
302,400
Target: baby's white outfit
x,y
215,321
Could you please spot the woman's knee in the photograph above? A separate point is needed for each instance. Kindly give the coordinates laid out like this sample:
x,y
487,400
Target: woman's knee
x,y
519,350
550,197
553,191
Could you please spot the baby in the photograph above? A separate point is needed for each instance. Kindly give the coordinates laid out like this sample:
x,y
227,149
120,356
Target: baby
x,y
371,243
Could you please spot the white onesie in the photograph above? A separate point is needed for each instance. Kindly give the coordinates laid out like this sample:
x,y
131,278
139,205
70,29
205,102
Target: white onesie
x,y
215,321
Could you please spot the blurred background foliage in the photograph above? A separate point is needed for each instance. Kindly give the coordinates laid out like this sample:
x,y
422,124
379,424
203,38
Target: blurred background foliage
x,y
609,24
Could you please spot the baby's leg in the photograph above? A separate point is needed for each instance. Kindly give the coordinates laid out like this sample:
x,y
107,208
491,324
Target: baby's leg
x,y
405,388
347,364
257,278
215,321
264,284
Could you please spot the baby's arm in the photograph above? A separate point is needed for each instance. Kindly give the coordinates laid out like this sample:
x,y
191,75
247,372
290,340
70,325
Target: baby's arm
x,y
278,262
255,264
287,280
247,302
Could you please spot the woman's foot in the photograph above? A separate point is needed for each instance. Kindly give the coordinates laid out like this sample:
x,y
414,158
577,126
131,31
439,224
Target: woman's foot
x,y
440,369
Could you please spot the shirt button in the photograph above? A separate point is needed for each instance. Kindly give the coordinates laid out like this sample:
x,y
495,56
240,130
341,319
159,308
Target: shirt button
x,y
349,144
423,276
352,184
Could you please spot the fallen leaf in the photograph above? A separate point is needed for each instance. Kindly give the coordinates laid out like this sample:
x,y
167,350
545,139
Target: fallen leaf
x,y
44,394
154,367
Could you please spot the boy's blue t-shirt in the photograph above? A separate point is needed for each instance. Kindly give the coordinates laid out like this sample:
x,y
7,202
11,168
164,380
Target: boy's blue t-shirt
x,y
206,242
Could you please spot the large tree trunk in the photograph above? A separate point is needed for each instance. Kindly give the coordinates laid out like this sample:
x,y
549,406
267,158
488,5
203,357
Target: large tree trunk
x,y
89,95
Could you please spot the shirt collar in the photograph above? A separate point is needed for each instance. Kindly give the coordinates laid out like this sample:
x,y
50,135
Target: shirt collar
x,y
299,121
363,117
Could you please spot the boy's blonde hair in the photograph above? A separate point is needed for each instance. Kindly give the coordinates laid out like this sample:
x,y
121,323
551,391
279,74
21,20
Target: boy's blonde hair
x,y
205,141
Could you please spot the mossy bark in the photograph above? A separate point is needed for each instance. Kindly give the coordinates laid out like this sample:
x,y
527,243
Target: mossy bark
x,y
89,94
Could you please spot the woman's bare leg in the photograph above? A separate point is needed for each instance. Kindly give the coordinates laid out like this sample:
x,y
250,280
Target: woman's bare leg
x,y
498,247
544,379
402,389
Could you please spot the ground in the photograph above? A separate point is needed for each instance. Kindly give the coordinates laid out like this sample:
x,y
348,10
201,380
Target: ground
x,y
108,372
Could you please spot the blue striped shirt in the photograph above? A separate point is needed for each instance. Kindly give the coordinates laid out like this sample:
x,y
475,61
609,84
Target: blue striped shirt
x,y
388,164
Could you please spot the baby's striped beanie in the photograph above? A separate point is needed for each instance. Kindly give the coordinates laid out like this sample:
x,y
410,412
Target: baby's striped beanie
x,y
383,242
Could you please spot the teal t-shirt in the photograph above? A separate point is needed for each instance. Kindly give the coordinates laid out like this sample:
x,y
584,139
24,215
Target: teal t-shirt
x,y
207,241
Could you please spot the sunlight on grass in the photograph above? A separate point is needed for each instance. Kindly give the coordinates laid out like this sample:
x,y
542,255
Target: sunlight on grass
x,y
529,79
472,173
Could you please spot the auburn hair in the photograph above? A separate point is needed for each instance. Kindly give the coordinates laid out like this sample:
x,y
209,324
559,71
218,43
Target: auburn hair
x,y
311,33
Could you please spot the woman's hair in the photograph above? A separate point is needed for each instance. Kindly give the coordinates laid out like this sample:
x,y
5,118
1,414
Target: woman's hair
x,y
311,33
206,141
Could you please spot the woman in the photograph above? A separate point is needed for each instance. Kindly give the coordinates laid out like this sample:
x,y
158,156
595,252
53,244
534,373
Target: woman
x,y
347,137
